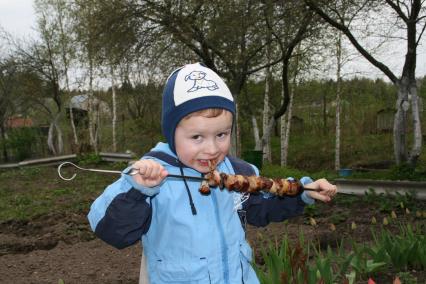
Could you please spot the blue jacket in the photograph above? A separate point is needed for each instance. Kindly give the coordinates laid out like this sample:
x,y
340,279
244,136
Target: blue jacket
x,y
205,244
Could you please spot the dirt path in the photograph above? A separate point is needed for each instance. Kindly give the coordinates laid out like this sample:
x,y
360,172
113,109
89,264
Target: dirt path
x,y
85,262
58,246
62,246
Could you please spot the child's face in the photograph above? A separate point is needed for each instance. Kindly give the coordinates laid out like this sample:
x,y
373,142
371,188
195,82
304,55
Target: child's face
x,y
199,139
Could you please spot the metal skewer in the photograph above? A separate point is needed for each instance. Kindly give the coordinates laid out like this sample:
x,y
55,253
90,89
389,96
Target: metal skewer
x,y
135,172
132,173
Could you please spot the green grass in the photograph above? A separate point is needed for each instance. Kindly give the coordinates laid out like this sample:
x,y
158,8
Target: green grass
x,y
394,173
314,154
30,192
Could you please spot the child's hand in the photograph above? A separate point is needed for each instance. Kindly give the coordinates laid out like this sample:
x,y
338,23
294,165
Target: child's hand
x,y
150,173
327,190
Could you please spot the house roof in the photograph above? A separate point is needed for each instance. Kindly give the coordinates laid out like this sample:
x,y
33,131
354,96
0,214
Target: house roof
x,y
82,102
16,122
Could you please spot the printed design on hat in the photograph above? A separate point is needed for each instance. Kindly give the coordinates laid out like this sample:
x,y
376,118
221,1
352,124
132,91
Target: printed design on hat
x,y
200,81
195,81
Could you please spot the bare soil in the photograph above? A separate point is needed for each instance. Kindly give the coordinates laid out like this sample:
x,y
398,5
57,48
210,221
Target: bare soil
x,y
61,246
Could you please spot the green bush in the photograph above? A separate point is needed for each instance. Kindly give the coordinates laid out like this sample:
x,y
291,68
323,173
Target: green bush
x,y
406,172
20,142
89,159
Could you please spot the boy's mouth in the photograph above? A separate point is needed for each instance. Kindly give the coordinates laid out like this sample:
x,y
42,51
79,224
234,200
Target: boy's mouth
x,y
205,163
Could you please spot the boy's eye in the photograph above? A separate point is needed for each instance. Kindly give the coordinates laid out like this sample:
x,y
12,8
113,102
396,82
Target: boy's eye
x,y
222,134
196,137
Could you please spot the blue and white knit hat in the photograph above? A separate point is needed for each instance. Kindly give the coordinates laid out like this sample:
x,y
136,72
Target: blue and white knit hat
x,y
191,88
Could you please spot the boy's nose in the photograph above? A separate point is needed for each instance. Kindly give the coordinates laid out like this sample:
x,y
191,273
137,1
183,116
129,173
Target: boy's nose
x,y
211,148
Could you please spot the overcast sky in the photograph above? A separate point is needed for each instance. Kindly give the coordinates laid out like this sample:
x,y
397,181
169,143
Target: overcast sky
x,y
17,17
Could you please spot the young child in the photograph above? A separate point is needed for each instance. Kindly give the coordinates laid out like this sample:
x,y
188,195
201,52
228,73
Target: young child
x,y
189,237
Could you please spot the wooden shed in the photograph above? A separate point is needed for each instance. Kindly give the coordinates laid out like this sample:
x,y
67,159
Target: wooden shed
x,y
297,124
80,108
385,118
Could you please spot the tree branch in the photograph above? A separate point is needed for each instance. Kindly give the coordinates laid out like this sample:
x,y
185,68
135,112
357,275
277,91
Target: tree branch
x,y
421,34
353,40
398,10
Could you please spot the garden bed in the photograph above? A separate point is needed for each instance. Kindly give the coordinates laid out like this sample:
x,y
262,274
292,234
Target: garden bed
x,y
47,237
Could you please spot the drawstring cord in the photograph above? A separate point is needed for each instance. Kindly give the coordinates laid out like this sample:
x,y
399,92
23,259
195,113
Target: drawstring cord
x,y
239,199
191,202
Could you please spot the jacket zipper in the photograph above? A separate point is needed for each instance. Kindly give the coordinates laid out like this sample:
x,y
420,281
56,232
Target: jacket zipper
x,y
242,272
224,249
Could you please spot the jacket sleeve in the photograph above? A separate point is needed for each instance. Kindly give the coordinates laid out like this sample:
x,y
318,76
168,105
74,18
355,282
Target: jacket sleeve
x,y
121,214
261,209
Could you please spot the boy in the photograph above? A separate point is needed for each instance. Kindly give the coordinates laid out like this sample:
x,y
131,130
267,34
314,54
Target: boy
x,y
189,237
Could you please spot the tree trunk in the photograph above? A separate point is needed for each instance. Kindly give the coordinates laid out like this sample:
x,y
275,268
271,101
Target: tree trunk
x,y
236,86
266,110
74,131
286,135
59,137
338,93
98,125
417,128
407,91
283,146
338,128
114,112
50,139
324,113
3,137
237,132
285,129
258,145
400,122
92,126
58,147
92,131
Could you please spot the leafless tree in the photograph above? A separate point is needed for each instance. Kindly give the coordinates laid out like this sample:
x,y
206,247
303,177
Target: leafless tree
x,y
408,16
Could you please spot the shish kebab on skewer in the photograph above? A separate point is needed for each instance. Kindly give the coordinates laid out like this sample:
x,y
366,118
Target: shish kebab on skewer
x,y
250,184
239,183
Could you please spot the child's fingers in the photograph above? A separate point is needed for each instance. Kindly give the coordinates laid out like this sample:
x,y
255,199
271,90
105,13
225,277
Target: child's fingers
x,y
327,188
332,191
329,191
319,196
156,172
163,173
148,169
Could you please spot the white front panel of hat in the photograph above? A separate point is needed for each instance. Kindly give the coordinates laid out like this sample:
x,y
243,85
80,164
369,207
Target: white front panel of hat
x,y
195,81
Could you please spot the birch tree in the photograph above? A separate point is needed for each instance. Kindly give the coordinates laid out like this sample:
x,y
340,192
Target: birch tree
x,y
408,17
114,111
266,109
67,56
338,101
287,33
59,13
84,27
286,119
44,58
